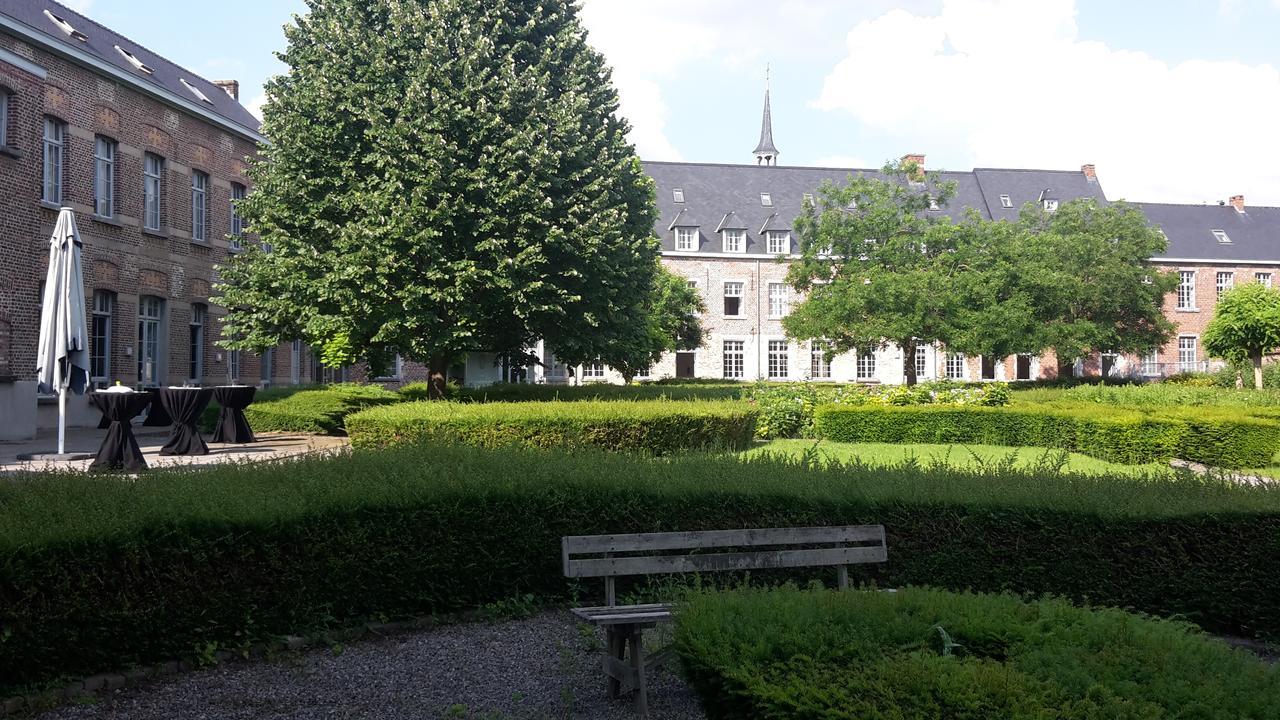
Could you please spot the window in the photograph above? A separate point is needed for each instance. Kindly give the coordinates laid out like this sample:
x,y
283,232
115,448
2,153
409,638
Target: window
x,y
1109,359
778,242
152,173
933,204
1187,290
733,299
1221,236
1187,353
104,176
1263,279
199,203
734,358
553,367
686,239
233,366
268,366
4,116
921,362
779,304
593,370
778,360
54,135
237,222
199,312
195,91
735,241
766,200
866,364
66,27
1051,206
104,304
677,195
1006,201
150,314
808,198
819,361
1224,282
134,61
955,366
1151,364
1022,367
988,368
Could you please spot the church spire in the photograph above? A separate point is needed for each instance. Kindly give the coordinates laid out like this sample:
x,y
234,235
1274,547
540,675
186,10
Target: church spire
x,y
766,153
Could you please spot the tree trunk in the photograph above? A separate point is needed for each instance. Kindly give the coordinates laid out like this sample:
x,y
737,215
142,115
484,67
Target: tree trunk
x,y
909,362
437,377
1257,371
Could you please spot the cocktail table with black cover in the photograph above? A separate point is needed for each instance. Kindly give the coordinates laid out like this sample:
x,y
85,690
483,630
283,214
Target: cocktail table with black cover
x,y
156,415
184,405
119,448
233,426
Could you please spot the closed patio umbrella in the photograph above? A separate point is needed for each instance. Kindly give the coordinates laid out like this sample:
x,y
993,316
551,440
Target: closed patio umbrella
x,y
62,358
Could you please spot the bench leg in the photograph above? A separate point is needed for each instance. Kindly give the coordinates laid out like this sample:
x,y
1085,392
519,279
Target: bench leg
x,y
636,640
615,649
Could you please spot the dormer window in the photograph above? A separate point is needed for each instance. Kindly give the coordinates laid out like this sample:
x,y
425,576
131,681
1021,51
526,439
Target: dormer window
x,y
686,239
1006,201
195,91
1050,205
134,61
933,203
735,241
677,195
808,198
778,242
1221,235
766,200
66,27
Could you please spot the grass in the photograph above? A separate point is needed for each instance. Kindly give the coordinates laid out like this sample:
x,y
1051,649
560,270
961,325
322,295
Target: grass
x,y
954,456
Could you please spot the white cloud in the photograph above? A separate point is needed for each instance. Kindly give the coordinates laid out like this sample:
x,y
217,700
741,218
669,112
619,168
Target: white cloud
x,y
254,106
1012,83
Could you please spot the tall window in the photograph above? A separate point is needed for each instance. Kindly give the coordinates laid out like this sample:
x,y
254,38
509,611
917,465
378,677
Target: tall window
x,y
733,299
104,176
988,369
554,368
955,366
199,313
778,360
866,364
735,241
1151,364
233,365
1187,353
1187,290
199,204
778,301
686,238
152,173
593,370
268,370
104,304
237,222
819,361
779,242
734,358
1224,282
150,314
55,132
921,361
1263,279
6,99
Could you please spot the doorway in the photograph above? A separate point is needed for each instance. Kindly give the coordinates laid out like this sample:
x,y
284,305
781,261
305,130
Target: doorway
x,y
685,362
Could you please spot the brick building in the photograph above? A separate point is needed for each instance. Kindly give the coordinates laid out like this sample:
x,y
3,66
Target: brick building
x,y
150,157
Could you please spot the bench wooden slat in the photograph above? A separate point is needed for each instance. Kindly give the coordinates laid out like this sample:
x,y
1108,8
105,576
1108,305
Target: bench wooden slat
x,y
715,562
640,542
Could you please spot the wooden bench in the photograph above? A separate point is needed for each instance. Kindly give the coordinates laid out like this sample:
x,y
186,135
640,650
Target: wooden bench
x,y
613,556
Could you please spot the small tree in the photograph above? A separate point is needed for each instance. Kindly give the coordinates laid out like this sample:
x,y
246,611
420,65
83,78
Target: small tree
x,y
1245,326
671,323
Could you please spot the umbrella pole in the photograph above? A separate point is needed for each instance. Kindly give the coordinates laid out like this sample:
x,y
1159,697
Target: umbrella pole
x,y
62,408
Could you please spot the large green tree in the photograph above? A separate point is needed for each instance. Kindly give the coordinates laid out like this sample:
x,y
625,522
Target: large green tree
x,y
444,176
1245,326
671,321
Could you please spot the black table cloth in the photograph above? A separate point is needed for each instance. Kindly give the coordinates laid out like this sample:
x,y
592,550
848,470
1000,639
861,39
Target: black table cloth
x,y
157,416
233,426
119,448
184,405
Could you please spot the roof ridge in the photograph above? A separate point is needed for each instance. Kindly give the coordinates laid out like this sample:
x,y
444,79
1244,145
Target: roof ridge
x,y
1034,170
772,168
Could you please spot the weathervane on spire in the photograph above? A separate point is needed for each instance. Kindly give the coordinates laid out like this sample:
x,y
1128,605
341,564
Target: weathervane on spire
x,y
766,153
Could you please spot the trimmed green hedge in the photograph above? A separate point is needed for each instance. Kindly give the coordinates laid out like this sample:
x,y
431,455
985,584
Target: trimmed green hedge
x,y
935,655
97,573
527,392
319,410
654,426
1220,439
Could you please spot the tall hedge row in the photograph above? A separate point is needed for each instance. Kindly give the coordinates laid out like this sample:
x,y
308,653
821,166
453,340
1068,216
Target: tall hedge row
x,y
655,426
1216,438
97,574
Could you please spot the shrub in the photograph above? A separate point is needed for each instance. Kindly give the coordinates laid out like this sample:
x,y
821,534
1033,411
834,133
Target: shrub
x,y
100,573
1116,434
655,427
525,392
931,654
309,409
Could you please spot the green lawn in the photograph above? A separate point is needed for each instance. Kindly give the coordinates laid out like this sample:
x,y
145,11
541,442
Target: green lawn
x,y
965,456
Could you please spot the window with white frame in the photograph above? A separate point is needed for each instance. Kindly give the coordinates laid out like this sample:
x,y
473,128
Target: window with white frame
x,y
1221,236
735,241
733,298
233,366
1006,201
1224,282
150,315
1187,290
6,100
1151,364
55,133
686,239
593,370
152,175
1263,279
778,360
1187,347
766,200
199,204
921,362
819,361
779,300
955,366
1050,205
554,368
104,176
268,370
677,195
808,199
778,242
865,366
104,305
734,358
237,221
199,313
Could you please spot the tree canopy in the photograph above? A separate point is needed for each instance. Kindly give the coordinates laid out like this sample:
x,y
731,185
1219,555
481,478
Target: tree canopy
x,y
1245,326
444,176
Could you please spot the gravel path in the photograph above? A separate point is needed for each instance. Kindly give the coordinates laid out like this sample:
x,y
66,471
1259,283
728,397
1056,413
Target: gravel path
x,y
542,667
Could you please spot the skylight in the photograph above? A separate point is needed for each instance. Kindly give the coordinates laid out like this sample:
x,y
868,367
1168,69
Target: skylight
x,y
66,27
766,199
808,197
134,61
677,195
1221,235
196,91
1006,201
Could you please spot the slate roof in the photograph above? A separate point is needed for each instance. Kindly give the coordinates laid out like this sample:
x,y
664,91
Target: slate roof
x,y
100,44
1254,233
1024,186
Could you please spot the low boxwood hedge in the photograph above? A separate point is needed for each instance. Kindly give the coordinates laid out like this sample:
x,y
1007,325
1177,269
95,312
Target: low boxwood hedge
x,y
99,573
1220,439
319,410
656,427
935,655
527,392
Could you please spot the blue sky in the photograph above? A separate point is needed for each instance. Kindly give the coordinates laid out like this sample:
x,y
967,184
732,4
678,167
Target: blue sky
x,y
1173,101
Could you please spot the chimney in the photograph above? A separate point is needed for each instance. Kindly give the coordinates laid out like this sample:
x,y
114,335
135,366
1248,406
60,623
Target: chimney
x,y
1089,171
232,88
1237,202
918,160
